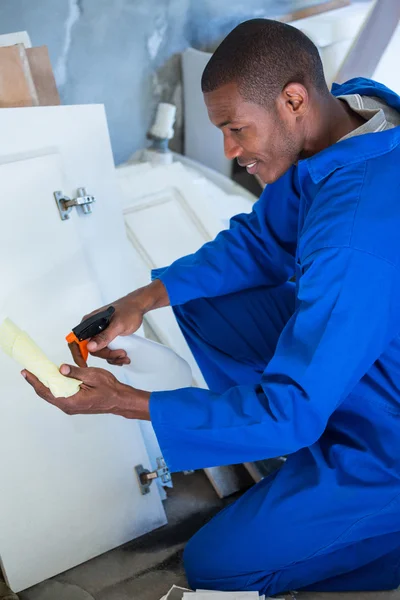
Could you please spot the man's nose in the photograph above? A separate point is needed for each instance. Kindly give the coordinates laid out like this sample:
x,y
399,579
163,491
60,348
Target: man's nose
x,y
231,148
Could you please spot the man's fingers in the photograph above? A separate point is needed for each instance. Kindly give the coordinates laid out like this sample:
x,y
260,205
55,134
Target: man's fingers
x,y
74,372
43,392
76,355
88,375
101,341
109,354
37,385
119,361
118,357
113,357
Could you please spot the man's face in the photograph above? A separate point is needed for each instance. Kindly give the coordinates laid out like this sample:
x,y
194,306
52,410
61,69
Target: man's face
x,y
266,142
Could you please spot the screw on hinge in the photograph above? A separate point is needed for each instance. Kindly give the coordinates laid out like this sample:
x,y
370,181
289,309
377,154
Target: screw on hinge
x,y
82,202
146,477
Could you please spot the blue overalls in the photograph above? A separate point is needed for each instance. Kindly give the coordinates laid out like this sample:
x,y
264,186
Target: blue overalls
x,y
310,370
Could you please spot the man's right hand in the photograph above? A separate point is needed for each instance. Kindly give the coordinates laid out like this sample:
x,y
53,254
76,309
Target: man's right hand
x,y
127,319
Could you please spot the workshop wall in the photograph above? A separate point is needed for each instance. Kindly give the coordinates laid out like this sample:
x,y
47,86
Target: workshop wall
x,y
125,53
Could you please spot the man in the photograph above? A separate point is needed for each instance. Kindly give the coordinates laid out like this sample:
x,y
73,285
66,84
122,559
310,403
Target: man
x,y
308,369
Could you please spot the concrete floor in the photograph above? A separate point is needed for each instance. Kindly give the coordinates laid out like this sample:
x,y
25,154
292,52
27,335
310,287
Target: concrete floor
x,y
146,569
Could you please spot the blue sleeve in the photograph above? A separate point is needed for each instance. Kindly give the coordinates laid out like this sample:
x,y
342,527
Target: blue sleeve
x,y
258,249
348,312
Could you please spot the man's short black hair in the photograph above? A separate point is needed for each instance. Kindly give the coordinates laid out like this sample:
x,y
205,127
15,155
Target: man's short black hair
x,y
262,57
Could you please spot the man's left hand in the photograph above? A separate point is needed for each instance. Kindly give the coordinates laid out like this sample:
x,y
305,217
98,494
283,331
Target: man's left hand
x,y
100,393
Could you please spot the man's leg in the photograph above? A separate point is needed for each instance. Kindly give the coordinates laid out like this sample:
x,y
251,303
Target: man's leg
x,y
251,546
300,527
378,575
233,337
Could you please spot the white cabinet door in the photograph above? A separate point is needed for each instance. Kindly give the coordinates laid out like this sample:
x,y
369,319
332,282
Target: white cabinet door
x,y
68,485
171,211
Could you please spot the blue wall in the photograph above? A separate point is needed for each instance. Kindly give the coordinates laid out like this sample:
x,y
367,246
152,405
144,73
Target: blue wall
x,y
125,53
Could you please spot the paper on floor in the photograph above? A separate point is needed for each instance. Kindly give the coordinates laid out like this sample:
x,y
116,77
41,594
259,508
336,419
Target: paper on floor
x,y
216,595
178,593
175,593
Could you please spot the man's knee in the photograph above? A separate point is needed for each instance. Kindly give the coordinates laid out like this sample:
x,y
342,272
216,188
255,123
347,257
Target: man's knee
x,y
192,564
196,562
211,564
205,559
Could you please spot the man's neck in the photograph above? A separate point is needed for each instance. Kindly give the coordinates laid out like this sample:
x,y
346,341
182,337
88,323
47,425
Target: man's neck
x,y
332,120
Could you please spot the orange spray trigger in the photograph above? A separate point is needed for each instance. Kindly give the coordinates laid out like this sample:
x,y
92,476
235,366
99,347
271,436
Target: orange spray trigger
x,y
72,339
89,328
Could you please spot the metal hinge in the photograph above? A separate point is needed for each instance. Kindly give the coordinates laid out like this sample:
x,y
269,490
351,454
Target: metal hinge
x,y
146,477
82,201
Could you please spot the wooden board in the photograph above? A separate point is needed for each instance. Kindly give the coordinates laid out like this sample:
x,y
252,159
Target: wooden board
x,y
16,83
43,76
310,11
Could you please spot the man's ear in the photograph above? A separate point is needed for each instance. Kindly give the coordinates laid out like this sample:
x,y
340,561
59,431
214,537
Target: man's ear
x,y
295,98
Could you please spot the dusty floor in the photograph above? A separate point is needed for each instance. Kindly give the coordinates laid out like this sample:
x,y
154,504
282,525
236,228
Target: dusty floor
x,y
145,569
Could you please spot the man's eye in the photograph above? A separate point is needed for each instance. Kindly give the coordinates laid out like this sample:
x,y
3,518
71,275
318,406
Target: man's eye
x,y
237,130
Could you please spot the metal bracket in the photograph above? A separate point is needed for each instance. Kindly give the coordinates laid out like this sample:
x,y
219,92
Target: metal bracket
x,y
82,202
146,477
